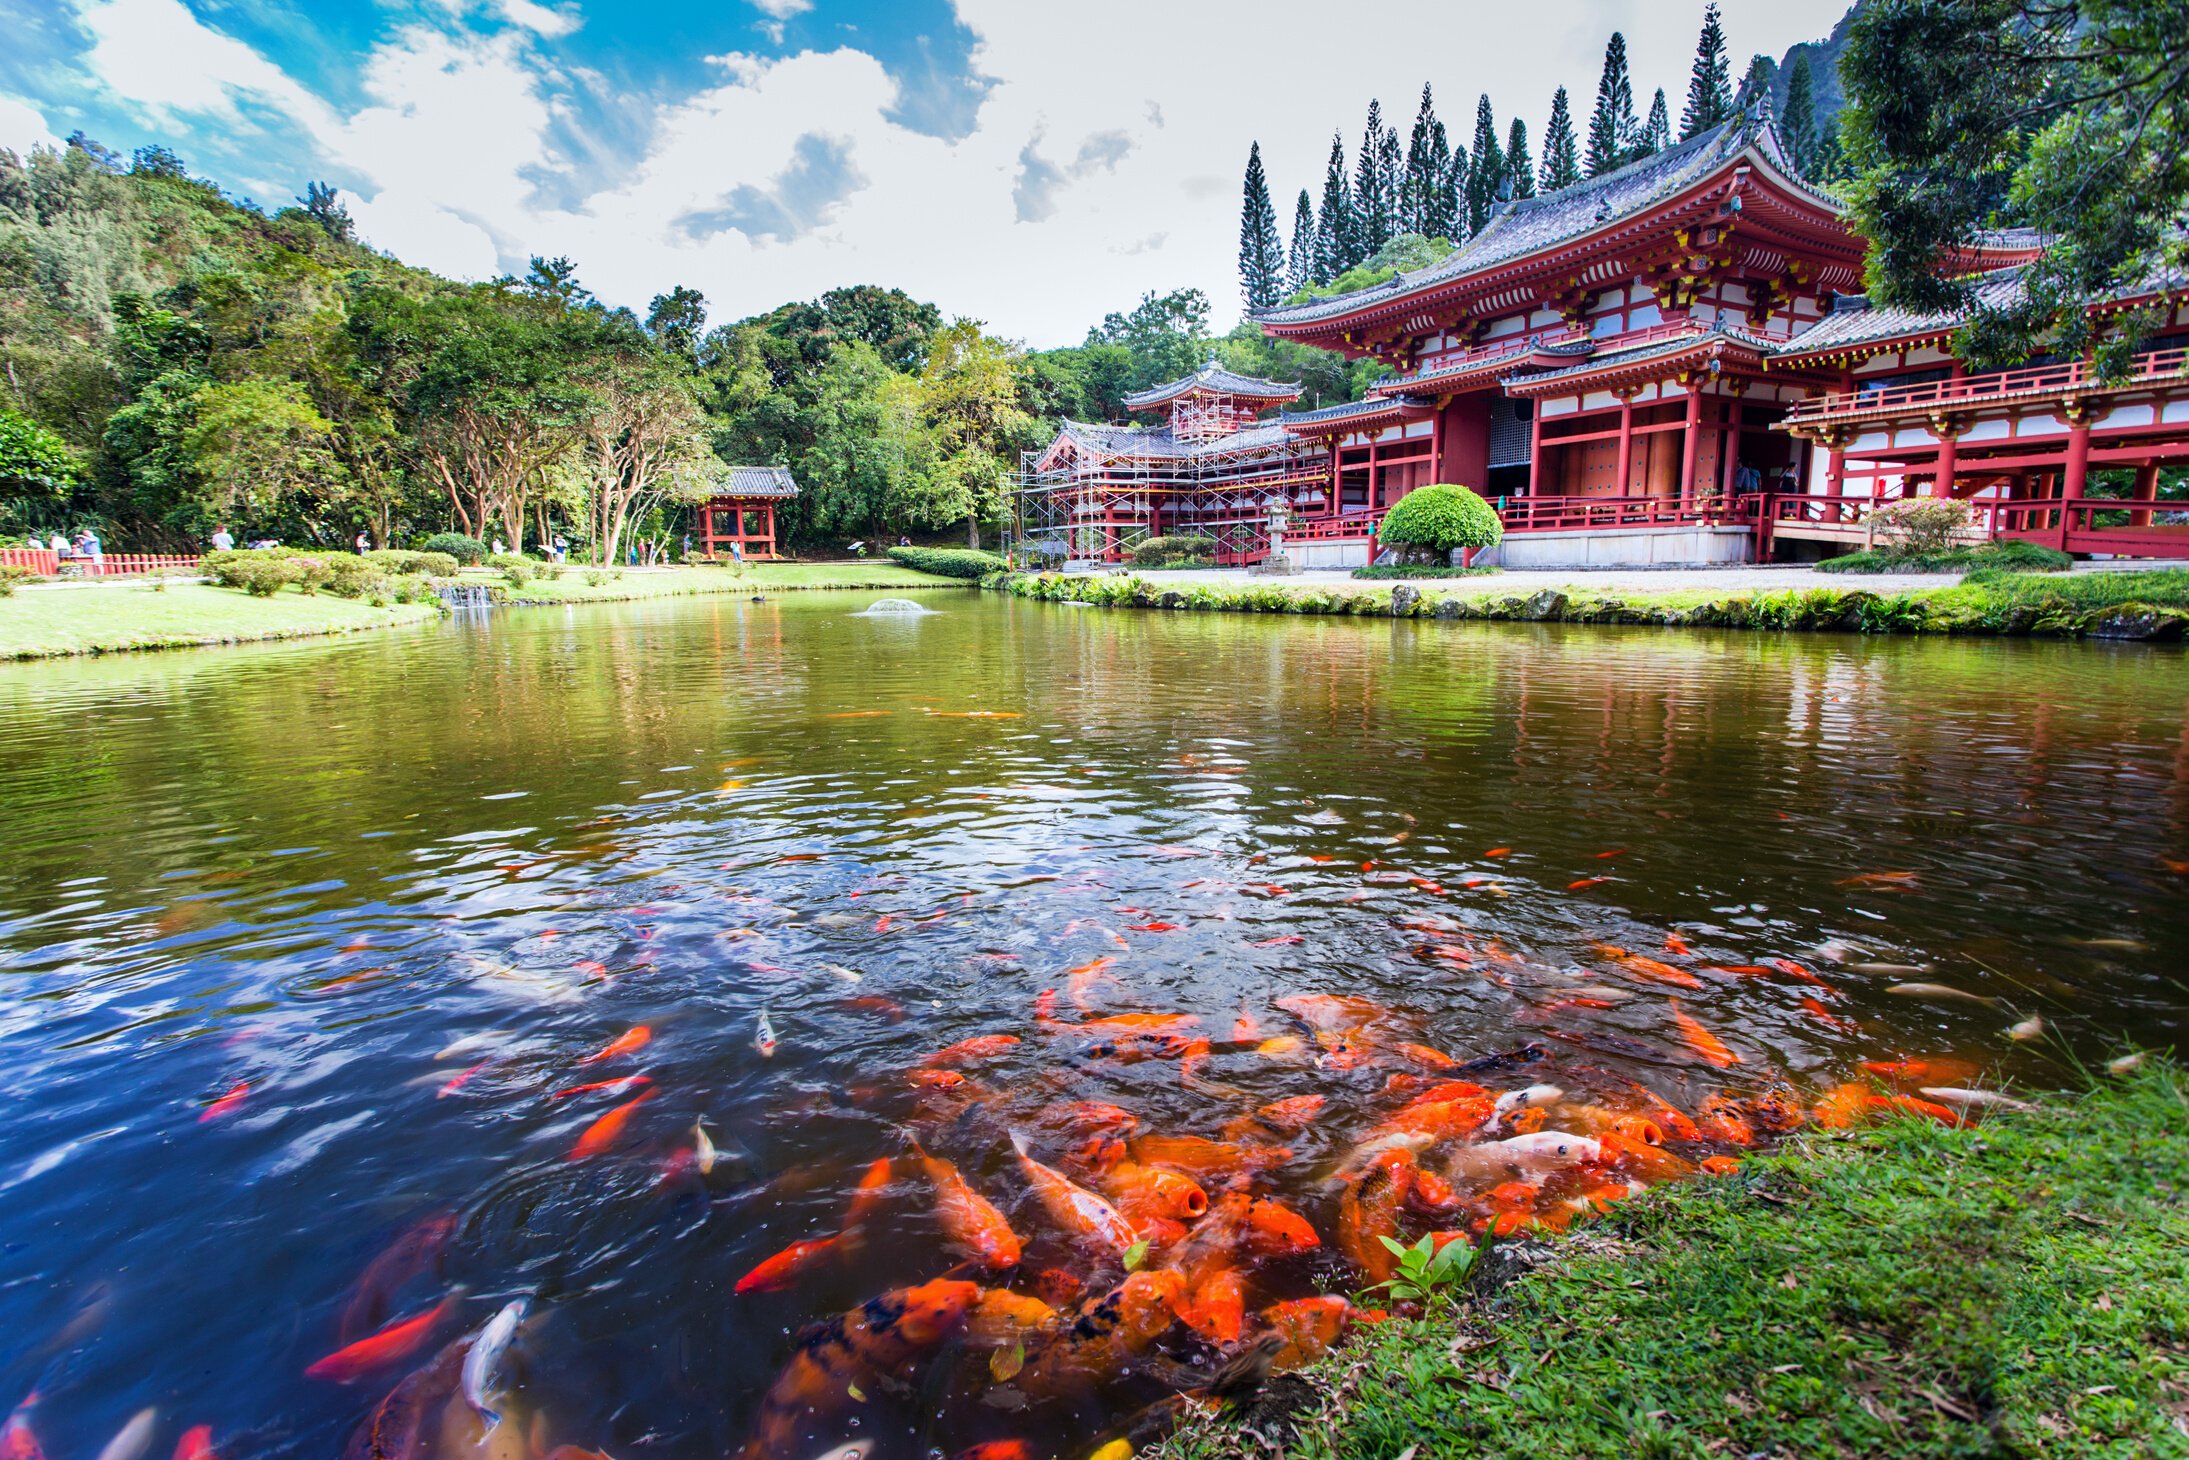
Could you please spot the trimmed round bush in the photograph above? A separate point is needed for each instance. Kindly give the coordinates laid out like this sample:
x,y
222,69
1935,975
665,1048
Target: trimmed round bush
x,y
1158,551
465,550
516,567
1441,518
262,575
967,563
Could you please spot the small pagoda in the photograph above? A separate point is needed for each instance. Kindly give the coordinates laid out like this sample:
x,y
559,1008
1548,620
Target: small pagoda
x,y
741,517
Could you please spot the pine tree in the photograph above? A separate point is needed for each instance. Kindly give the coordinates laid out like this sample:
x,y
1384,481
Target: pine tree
x,y
1657,132
1487,174
1561,160
1800,124
1371,207
1418,187
1612,133
1710,82
1391,163
1519,166
1334,225
1440,209
1301,272
1261,249
1452,197
1756,86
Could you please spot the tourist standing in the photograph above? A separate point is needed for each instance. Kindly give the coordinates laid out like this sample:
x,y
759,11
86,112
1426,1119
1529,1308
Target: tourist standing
x,y
560,549
499,549
364,542
58,545
223,540
88,546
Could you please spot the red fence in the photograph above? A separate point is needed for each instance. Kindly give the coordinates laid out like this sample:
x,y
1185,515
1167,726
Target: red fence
x,y
2113,525
1570,514
2071,375
49,564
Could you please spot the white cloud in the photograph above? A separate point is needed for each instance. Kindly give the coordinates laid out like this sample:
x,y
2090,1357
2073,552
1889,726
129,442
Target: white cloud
x,y
23,126
787,176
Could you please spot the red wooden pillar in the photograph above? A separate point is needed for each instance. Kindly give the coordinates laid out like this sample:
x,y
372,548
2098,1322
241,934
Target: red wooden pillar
x,y
1730,449
2146,490
1625,484
2078,467
1535,449
1949,460
1688,442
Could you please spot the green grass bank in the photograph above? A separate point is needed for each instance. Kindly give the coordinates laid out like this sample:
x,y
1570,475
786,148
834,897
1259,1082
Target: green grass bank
x,y
123,615
2016,1288
2151,605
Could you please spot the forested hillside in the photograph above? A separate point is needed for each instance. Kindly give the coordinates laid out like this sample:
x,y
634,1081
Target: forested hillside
x,y
172,358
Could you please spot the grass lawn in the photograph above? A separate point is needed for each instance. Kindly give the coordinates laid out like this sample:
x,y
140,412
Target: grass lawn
x,y
754,578
101,618
2017,1288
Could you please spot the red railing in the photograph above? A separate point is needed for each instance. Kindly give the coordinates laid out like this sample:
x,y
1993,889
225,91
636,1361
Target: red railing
x,y
1571,514
2122,527
2072,375
49,564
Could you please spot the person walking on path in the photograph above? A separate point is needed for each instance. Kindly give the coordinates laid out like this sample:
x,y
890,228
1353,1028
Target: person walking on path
x,y
223,539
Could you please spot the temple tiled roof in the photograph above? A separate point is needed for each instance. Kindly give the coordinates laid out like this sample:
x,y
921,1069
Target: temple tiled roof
x,y
1547,219
1347,410
1158,441
1649,350
1856,324
758,481
1213,379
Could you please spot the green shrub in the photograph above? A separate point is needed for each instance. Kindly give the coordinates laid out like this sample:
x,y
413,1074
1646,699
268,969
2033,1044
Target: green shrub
x,y
1923,526
397,561
515,567
10,575
967,563
465,550
1429,570
2010,556
261,575
229,568
1161,552
1441,518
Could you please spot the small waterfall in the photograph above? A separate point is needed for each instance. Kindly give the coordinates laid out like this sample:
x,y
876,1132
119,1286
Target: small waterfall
x,y
461,596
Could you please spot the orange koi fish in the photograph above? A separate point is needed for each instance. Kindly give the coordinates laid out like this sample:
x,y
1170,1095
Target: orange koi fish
x,y
1332,1013
1135,1024
228,1104
1203,1158
1579,883
1282,940
1722,1119
1824,1016
17,1440
937,1079
1677,946
629,1042
967,1051
1937,1070
1148,1192
458,1081
1246,1029
1889,881
868,1194
1498,852
1310,1328
1648,968
997,1450
1154,927
390,1345
1070,1205
1106,1332
882,1336
1666,1114
1291,1114
969,1220
616,1086
196,1444
1217,1308
786,1267
1369,1211
1705,1044
1422,1054
1910,1105
417,1250
603,1133
1081,980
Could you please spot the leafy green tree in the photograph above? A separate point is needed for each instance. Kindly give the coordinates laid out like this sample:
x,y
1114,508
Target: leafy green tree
x,y
677,320
1612,129
257,448
1487,180
638,434
37,470
1519,166
324,203
555,281
157,161
1336,240
1261,248
871,462
1166,335
1561,160
1300,263
2071,116
970,392
1709,81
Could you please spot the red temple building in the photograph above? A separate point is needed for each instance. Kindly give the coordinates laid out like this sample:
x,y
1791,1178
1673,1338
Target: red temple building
x,y
742,514
1670,363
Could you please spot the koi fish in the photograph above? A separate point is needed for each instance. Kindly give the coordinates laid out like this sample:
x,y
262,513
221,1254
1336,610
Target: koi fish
x,y
1135,1024
602,1134
1721,1119
1533,1095
1291,1114
1071,1206
1369,1212
1938,992
2031,1028
1154,927
1705,1044
1652,969
1310,1328
937,1079
1332,1013
1217,1308
1557,1146
616,1086
1975,1099
1106,1332
134,1439
764,1036
1720,1165
1147,1192
418,1249
485,1358
786,1267
969,1220
390,1345
459,1081
966,1051
227,1105
881,1004
1202,1158
1422,1054
1909,1105
1081,980
867,1195
1498,852
196,1444
1280,941
1677,946
1246,1029
884,1335
1824,1016
1668,1115
997,1450
1580,883
1892,881
629,1042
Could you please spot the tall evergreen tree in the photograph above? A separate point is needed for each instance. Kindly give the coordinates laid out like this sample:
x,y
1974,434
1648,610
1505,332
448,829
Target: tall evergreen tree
x,y
1561,157
1261,248
1710,81
1612,133
1371,202
1756,86
1657,131
1487,172
1393,168
1519,166
1426,153
1800,123
1301,265
1334,224
1452,197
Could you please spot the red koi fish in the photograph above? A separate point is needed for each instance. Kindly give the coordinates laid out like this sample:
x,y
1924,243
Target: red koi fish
x,y
1154,927
1677,946
416,1251
1498,852
1291,1114
1887,881
1824,1016
968,1051
196,1444
227,1105
969,1220
1937,1070
17,1440
1310,1327
396,1342
786,1267
1722,1119
868,1194
629,1042
998,1450
460,1080
1070,1205
1579,883
1654,970
1280,941
1705,1044
602,1134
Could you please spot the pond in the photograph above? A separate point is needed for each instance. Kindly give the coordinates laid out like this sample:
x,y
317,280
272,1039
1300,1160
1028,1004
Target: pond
x,y
589,959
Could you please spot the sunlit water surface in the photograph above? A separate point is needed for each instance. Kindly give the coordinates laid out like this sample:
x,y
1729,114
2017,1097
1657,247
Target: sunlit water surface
x,y
344,874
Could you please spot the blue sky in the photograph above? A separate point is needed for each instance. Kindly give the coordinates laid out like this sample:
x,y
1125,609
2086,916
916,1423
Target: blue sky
x,y
1028,164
